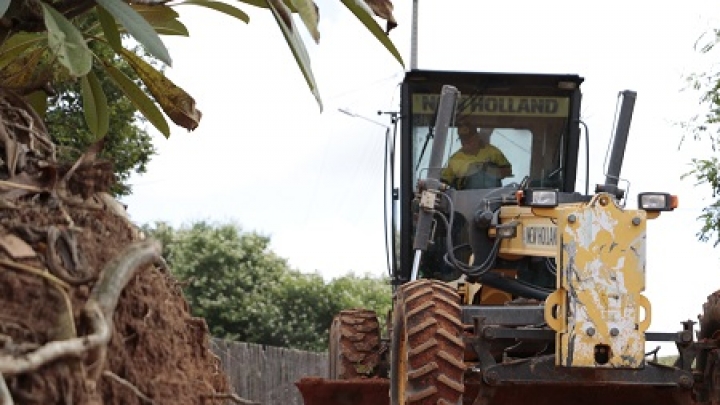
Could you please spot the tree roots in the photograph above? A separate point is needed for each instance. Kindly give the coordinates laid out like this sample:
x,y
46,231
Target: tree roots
x,y
98,311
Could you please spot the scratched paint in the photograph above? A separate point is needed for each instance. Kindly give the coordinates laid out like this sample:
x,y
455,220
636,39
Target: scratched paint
x,y
602,263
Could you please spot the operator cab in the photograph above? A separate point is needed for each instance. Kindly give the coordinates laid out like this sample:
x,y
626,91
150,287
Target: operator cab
x,y
531,119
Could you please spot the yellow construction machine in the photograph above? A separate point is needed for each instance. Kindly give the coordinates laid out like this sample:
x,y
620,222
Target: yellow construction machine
x,y
518,289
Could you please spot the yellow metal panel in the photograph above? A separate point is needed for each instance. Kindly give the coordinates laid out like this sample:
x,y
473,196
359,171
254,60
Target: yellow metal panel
x,y
601,274
536,234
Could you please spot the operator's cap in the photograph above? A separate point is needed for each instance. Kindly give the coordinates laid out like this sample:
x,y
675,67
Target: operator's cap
x,y
466,130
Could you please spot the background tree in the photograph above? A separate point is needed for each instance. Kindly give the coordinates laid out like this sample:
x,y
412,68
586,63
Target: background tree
x,y
706,127
247,293
127,144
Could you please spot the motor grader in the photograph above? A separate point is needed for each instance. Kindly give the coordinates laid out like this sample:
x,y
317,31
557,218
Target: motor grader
x,y
527,291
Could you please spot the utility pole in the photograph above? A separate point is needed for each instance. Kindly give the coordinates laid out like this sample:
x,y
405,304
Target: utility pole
x,y
414,36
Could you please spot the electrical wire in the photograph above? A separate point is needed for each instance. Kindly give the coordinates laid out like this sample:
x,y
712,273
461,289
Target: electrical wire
x,y
470,270
550,266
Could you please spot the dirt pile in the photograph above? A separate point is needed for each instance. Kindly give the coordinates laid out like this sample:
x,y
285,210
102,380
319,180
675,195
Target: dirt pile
x,y
72,266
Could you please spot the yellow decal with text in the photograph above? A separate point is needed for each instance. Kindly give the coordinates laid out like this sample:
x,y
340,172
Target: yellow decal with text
x,y
488,104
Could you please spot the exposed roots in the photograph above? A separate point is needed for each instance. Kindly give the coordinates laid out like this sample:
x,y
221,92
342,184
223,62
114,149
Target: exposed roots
x,y
113,280
51,351
232,397
99,310
80,299
120,270
128,385
5,397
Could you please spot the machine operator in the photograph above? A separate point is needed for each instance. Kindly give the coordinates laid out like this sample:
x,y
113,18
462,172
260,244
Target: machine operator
x,y
477,164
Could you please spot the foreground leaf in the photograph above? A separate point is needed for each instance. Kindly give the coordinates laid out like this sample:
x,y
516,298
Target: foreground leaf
x,y
221,7
364,14
4,5
38,101
23,72
163,19
256,3
177,104
138,27
384,10
309,15
264,4
144,104
109,26
284,19
67,42
17,44
95,105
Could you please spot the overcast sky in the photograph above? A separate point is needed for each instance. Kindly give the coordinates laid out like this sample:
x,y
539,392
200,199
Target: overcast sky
x,y
265,157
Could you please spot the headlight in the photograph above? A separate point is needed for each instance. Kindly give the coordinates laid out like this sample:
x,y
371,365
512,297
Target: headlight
x,y
539,198
657,201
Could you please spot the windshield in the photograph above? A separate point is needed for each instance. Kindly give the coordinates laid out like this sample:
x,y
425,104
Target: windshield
x,y
494,140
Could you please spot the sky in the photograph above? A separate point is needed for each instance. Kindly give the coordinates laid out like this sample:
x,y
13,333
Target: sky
x,y
267,158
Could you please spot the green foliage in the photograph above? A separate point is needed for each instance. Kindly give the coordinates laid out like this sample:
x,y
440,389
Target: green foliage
x,y
67,42
127,144
138,27
65,45
668,360
247,293
705,171
706,127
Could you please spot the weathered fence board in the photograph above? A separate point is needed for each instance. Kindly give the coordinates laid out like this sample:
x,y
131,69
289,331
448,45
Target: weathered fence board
x,y
268,374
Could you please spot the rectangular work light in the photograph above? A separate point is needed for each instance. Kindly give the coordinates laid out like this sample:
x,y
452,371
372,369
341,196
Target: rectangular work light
x,y
657,201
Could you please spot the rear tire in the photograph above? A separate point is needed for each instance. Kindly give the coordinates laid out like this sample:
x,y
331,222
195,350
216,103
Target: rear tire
x,y
710,362
354,349
710,318
427,365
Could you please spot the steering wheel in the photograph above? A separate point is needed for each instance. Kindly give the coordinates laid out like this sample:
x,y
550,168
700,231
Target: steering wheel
x,y
480,177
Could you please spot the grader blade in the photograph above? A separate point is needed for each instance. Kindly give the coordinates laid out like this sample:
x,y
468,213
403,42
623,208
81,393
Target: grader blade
x,y
575,395
321,391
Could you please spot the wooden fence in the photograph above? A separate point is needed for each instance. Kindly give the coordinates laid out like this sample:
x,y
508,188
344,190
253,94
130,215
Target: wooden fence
x,y
268,374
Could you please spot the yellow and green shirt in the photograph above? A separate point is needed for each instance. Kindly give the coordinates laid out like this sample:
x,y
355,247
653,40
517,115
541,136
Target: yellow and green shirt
x,y
462,164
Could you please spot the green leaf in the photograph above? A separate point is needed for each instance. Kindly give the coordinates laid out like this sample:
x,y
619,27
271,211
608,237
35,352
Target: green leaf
x,y
264,4
24,71
174,101
163,19
256,3
309,16
109,26
296,45
17,44
364,14
138,27
4,5
221,7
67,42
144,104
95,106
38,101
172,28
